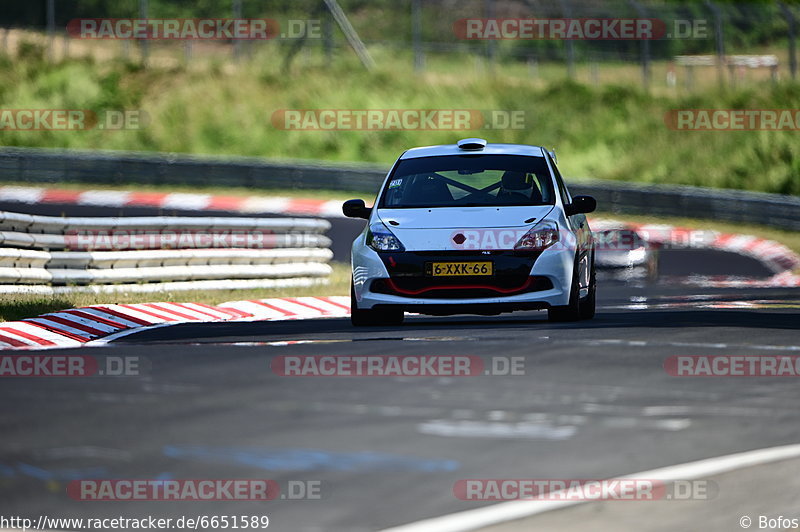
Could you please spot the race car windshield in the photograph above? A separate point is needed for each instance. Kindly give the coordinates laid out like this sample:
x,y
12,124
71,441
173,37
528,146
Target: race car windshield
x,y
468,181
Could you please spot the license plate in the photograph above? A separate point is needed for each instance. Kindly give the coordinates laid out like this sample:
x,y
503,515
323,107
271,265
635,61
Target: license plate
x,y
452,269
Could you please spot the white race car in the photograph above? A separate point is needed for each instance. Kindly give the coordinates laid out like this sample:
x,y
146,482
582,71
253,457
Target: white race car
x,y
473,228
623,252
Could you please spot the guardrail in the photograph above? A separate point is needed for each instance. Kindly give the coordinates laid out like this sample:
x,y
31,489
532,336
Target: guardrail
x,y
105,251
774,210
29,165
36,165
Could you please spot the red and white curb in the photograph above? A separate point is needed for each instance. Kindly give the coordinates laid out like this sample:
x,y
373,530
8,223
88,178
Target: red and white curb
x,y
99,324
292,308
175,200
775,256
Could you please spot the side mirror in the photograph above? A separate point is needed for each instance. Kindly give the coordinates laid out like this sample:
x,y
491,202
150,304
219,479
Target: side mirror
x,y
355,208
581,205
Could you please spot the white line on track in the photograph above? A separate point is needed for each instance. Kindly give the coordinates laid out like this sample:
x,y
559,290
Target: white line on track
x,y
656,343
514,510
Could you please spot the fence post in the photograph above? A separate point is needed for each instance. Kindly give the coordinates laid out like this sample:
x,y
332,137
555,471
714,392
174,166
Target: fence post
x,y
533,67
792,23
644,47
327,38
567,13
350,34
237,44
416,34
143,42
51,29
720,39
491,45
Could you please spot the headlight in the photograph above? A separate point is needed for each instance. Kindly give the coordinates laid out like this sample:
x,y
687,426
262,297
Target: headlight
x,y
540,236
380,238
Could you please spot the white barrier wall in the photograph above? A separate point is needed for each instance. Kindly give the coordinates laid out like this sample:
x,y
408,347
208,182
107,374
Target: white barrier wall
x,y
45,250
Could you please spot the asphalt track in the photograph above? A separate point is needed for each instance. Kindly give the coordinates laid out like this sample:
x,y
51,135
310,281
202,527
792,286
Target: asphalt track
x,y
594,402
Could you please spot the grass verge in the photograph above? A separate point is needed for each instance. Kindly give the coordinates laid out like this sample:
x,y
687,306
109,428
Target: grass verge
x,y
614,131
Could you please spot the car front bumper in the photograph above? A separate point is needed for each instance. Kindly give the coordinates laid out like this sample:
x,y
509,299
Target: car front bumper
x,y
521,281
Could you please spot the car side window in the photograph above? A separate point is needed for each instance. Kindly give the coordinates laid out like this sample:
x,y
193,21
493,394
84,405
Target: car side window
x,y
566,199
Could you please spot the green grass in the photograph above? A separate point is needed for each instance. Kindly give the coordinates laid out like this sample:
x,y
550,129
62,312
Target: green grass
x,y
609,131
20,306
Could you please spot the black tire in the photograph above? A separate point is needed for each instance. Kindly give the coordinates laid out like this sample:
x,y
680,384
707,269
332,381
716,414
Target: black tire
x,y
572,310
371,318
588,304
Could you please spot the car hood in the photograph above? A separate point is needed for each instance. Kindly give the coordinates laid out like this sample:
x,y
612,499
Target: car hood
x,y
462,217
482,227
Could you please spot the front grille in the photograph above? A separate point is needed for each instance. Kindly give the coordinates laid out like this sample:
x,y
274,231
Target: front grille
x,y
468,254
409,275
459,288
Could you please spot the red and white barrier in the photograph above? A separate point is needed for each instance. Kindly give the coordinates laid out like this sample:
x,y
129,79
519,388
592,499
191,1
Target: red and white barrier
x,y
179,201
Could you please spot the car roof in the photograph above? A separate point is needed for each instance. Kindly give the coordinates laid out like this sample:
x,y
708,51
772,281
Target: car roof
x,y
490,149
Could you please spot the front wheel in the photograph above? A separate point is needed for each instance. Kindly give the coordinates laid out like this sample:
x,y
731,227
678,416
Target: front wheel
x,y
371,317
573,310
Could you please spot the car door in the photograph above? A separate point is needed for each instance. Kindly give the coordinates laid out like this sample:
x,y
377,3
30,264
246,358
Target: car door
x,y
579,226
